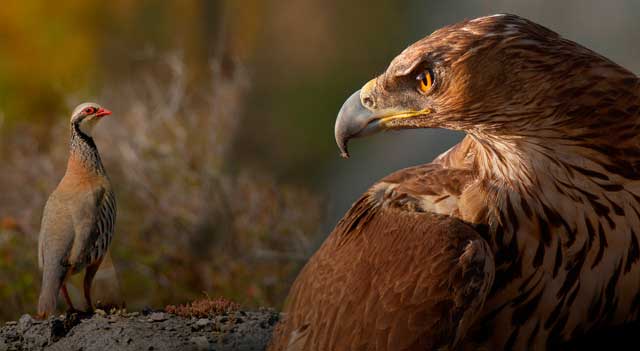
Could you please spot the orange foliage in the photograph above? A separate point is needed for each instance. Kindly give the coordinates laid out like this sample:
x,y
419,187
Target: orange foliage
x,y
203,308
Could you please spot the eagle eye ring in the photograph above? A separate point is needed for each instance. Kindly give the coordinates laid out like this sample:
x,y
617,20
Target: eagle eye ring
x,y
425,81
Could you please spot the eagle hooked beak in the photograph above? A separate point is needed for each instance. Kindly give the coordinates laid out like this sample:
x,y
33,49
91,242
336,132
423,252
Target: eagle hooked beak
x,y
357,120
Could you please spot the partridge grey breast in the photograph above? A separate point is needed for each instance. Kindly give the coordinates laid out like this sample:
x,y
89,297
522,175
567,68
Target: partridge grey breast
x,y
79,216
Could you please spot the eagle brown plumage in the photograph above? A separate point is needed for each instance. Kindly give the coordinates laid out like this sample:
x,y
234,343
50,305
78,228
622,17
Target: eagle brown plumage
x,y
522,236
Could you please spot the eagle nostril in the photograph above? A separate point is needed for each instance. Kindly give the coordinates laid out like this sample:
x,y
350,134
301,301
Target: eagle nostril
x,y
368,102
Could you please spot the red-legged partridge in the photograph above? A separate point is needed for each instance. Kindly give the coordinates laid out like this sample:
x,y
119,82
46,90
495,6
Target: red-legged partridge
x,y
79,217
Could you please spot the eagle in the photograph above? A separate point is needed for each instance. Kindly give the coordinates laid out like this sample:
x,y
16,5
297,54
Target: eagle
x,y
522,236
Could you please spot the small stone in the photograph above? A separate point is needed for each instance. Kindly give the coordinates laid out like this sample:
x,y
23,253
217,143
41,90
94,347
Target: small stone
x,y
200,323
100,312
24,323
134,314
203,322
158,317
11,323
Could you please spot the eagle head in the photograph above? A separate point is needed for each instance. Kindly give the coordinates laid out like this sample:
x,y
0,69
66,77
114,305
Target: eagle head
x,y
494,76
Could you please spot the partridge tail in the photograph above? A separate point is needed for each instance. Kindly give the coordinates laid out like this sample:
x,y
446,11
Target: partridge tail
x,y
106,287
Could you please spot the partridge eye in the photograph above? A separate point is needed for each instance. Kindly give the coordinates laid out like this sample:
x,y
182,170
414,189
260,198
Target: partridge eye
x,y
425,81
89,110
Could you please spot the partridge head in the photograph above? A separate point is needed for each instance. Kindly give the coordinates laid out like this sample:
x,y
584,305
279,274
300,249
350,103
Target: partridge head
x,y
87,115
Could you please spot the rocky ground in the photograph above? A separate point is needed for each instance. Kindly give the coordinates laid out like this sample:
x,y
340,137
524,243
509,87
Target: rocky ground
x,y
228,330
237,330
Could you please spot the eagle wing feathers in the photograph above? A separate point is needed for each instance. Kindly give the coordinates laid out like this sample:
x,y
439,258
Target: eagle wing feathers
x,y
415,279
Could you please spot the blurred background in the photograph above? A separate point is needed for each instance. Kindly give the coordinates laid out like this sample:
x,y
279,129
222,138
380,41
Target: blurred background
x,y
221,143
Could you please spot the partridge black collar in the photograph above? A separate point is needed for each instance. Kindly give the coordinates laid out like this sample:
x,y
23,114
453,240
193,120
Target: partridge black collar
x,y
84,147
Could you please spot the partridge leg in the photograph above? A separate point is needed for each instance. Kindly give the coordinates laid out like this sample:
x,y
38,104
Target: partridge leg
x,y
89,274
65,293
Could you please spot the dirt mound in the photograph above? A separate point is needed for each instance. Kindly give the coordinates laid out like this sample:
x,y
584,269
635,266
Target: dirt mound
x,y
236,330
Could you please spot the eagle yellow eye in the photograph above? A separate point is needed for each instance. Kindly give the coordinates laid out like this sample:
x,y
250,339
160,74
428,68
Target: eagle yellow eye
x,y
425,81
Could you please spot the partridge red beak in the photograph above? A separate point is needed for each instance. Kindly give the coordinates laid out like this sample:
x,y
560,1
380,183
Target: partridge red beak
x,y
103,112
